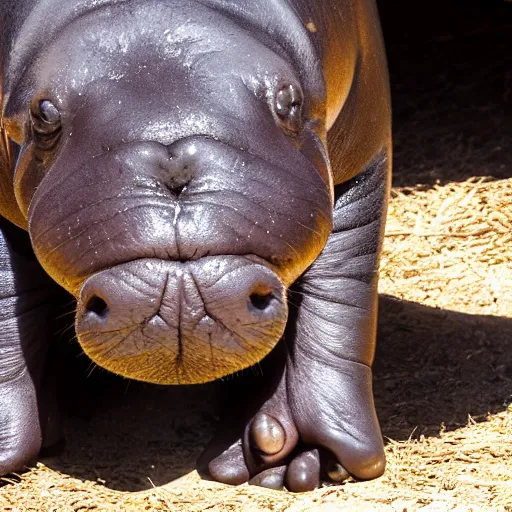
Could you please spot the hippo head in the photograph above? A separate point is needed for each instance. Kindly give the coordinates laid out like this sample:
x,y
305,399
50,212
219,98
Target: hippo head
x,y
173,174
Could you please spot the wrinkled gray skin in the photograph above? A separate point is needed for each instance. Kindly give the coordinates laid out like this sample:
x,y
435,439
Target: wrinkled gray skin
x,y
200,166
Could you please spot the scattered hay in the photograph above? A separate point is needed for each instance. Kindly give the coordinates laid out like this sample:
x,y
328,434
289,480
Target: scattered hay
x,y
447,247
466,470
451,246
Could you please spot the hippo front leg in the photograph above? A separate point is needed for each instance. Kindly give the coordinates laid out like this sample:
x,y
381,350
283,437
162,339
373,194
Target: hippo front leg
x,y
324,402
329,378
26,299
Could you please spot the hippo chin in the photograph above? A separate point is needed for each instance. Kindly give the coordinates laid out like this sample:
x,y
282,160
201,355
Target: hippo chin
x,y
207,178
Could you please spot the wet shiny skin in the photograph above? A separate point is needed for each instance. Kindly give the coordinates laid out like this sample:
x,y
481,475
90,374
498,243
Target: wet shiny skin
x,y
206,178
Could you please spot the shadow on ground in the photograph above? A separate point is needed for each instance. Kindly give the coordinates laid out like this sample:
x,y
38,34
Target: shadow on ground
x,y
434,367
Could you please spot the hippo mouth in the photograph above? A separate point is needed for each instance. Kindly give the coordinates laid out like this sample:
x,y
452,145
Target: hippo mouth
x,y
169,322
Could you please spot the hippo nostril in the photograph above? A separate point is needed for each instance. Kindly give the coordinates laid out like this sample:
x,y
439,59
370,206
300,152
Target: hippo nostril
x,y
97,306
179,190
176,189
261,301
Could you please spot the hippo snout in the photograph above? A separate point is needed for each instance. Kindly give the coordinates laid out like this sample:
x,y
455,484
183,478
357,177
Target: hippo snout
x,y
172,322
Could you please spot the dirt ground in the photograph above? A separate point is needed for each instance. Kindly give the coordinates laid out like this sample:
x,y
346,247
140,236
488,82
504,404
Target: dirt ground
x,y
443,374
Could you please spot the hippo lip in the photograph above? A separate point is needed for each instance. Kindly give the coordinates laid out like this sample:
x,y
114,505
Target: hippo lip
x,y
181,323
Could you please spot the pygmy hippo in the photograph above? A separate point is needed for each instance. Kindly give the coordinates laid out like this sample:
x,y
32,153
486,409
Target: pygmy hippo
x,y
206,178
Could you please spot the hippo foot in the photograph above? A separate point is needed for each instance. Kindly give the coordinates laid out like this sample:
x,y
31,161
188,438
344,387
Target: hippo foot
x,y
20,433
29,426
317,426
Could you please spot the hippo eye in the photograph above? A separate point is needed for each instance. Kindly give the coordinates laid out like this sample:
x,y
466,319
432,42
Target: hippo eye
x,y
45,118
288,106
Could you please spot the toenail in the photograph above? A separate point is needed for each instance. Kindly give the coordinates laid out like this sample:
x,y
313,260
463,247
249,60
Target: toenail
x,y
271,478
267,434
303,473
336,472
228,472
